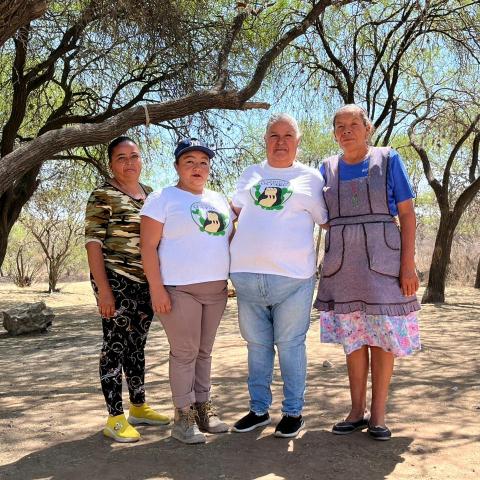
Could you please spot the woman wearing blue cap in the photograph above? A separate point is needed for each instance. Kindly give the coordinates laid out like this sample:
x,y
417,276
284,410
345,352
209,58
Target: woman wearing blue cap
x,y
185,231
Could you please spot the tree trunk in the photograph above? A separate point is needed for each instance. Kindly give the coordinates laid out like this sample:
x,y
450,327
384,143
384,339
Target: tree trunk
x,y
52,282
11,204
9,212
477,279
435,291
52,276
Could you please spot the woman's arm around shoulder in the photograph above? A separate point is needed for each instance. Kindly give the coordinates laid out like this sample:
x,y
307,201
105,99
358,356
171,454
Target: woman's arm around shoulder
x,y
318,209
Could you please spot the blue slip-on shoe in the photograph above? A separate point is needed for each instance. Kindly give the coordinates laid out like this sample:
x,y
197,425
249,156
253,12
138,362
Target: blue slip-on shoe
x,y
346,427
379,432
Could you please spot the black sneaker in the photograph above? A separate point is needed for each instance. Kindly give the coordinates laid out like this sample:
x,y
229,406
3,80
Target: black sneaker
x,y
250,422
289,426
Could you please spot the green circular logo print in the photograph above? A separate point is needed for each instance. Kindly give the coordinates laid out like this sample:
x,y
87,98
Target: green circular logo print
x,y
271,194
209,219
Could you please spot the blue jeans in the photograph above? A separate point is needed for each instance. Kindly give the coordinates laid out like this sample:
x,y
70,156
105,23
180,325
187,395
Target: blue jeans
x,y
274,310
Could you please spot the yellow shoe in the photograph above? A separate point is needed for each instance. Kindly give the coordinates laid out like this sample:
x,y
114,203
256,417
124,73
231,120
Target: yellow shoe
x,y
146,414
120,430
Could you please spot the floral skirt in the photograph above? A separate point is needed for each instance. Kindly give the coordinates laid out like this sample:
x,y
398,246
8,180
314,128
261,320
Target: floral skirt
x,y
396,334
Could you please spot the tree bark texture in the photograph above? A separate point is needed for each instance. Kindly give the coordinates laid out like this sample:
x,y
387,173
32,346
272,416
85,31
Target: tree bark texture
x,y
18,13
11,204
477,279
435,291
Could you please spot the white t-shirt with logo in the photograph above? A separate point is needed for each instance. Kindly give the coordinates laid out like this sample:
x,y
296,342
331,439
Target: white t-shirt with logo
x,y
275,226
194,245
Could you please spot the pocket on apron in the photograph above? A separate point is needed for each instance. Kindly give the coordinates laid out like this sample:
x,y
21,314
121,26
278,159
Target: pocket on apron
x,y
383,244
334,251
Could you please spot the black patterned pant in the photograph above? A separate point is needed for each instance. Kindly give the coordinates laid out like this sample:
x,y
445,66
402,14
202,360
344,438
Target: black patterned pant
x,y
124,338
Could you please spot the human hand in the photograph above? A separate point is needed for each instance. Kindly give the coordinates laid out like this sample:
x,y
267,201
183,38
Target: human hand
x,y
408,281
106,302
161,302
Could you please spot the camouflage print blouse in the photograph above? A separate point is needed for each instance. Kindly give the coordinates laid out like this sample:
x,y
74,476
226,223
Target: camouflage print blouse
x,y
112,219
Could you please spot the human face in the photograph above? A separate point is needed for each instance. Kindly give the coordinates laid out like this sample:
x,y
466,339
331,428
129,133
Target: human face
x,y
193,169
126,162
350,132
281,143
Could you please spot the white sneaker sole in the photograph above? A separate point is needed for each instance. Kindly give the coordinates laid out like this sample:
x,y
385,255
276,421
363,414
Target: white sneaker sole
x,y
145,421
253,427
108,432
222,429
196,439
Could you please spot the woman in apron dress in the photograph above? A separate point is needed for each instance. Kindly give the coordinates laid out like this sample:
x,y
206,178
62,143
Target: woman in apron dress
x,y
367,288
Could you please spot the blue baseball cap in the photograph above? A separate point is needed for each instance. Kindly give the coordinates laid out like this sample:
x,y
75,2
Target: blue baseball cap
x,y
190,144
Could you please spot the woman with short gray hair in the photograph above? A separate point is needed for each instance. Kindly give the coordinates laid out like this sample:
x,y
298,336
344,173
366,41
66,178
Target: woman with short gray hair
x,y
272,267
366,294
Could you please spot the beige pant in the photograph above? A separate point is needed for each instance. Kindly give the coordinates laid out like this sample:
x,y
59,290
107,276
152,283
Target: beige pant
x,y
191,327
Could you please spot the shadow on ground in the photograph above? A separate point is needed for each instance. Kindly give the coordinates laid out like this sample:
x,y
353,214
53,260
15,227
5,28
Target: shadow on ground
x,y
49,396
223,457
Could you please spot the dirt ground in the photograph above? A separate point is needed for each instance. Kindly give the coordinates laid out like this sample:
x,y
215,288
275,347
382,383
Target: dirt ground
x,y
52,410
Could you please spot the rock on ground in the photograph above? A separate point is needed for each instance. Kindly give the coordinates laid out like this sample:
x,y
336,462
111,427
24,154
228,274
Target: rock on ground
x,y
28,317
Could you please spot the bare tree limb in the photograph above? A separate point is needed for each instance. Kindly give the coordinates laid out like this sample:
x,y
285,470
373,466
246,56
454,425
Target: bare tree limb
x,y
427,168
474,163
456,148
20,95
466,197
270,56
222,69
348,92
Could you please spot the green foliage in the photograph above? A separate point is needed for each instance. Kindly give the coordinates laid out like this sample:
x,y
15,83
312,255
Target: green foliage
x,y
317,142
22,261
54,219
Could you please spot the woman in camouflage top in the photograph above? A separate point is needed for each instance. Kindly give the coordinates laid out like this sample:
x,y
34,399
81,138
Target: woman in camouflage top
x,y
112,234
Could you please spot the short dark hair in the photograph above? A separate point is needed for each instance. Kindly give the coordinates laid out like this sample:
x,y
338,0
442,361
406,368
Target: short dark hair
x,y
117,141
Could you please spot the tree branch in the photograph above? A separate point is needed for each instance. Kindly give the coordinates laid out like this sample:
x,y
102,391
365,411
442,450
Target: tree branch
x,y
35,77
17,14
19,99
271,55
28,155
437,187
474,164
222,68
348,93
466,197
456,148
44,147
